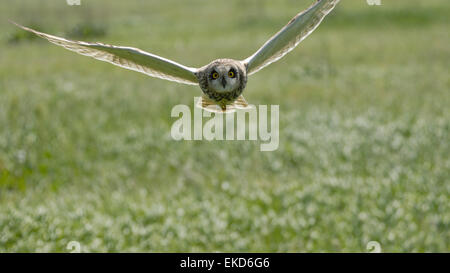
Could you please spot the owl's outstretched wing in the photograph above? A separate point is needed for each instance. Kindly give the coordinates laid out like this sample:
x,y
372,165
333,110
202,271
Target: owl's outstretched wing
x,y
126,57
290,36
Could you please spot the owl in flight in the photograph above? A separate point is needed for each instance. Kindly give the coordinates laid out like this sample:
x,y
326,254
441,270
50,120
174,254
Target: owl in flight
x,y
223,80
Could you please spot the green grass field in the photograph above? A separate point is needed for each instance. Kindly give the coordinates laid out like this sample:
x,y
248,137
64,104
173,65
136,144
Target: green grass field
x,y
86,153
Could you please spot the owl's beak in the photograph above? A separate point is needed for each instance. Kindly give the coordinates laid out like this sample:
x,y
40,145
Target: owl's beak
x,y
224,82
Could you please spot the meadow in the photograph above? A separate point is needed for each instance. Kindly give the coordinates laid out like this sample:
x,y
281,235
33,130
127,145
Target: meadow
x,y
86,153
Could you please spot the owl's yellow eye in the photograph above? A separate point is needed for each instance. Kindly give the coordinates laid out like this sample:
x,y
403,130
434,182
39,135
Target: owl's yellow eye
x,y
215,75
231,74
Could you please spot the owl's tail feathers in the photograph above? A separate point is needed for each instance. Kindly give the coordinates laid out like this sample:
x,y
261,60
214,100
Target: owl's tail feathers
x,y
241,103
211,106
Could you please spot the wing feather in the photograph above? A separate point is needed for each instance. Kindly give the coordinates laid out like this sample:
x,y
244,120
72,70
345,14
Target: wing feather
x,y
127,57
290,36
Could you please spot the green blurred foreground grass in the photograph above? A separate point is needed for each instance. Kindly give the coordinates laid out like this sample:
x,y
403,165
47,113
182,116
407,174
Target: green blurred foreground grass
x,y
86,153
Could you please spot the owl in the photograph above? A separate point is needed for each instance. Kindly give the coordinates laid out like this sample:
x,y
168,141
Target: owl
x,y
222,81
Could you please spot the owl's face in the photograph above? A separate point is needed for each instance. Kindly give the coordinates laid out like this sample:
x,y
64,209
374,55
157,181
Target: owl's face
x,y
224,78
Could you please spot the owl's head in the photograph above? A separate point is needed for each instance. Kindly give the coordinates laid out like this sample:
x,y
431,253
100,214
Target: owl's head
x,y
225,76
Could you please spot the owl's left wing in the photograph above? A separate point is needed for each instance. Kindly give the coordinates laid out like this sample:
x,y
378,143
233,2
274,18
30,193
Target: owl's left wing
x,y
290,36
126,57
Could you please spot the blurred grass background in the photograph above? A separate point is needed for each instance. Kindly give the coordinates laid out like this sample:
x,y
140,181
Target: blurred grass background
x,y
86,152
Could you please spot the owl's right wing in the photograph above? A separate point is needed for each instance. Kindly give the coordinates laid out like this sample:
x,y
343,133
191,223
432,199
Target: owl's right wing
x,y
290,36
126,57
